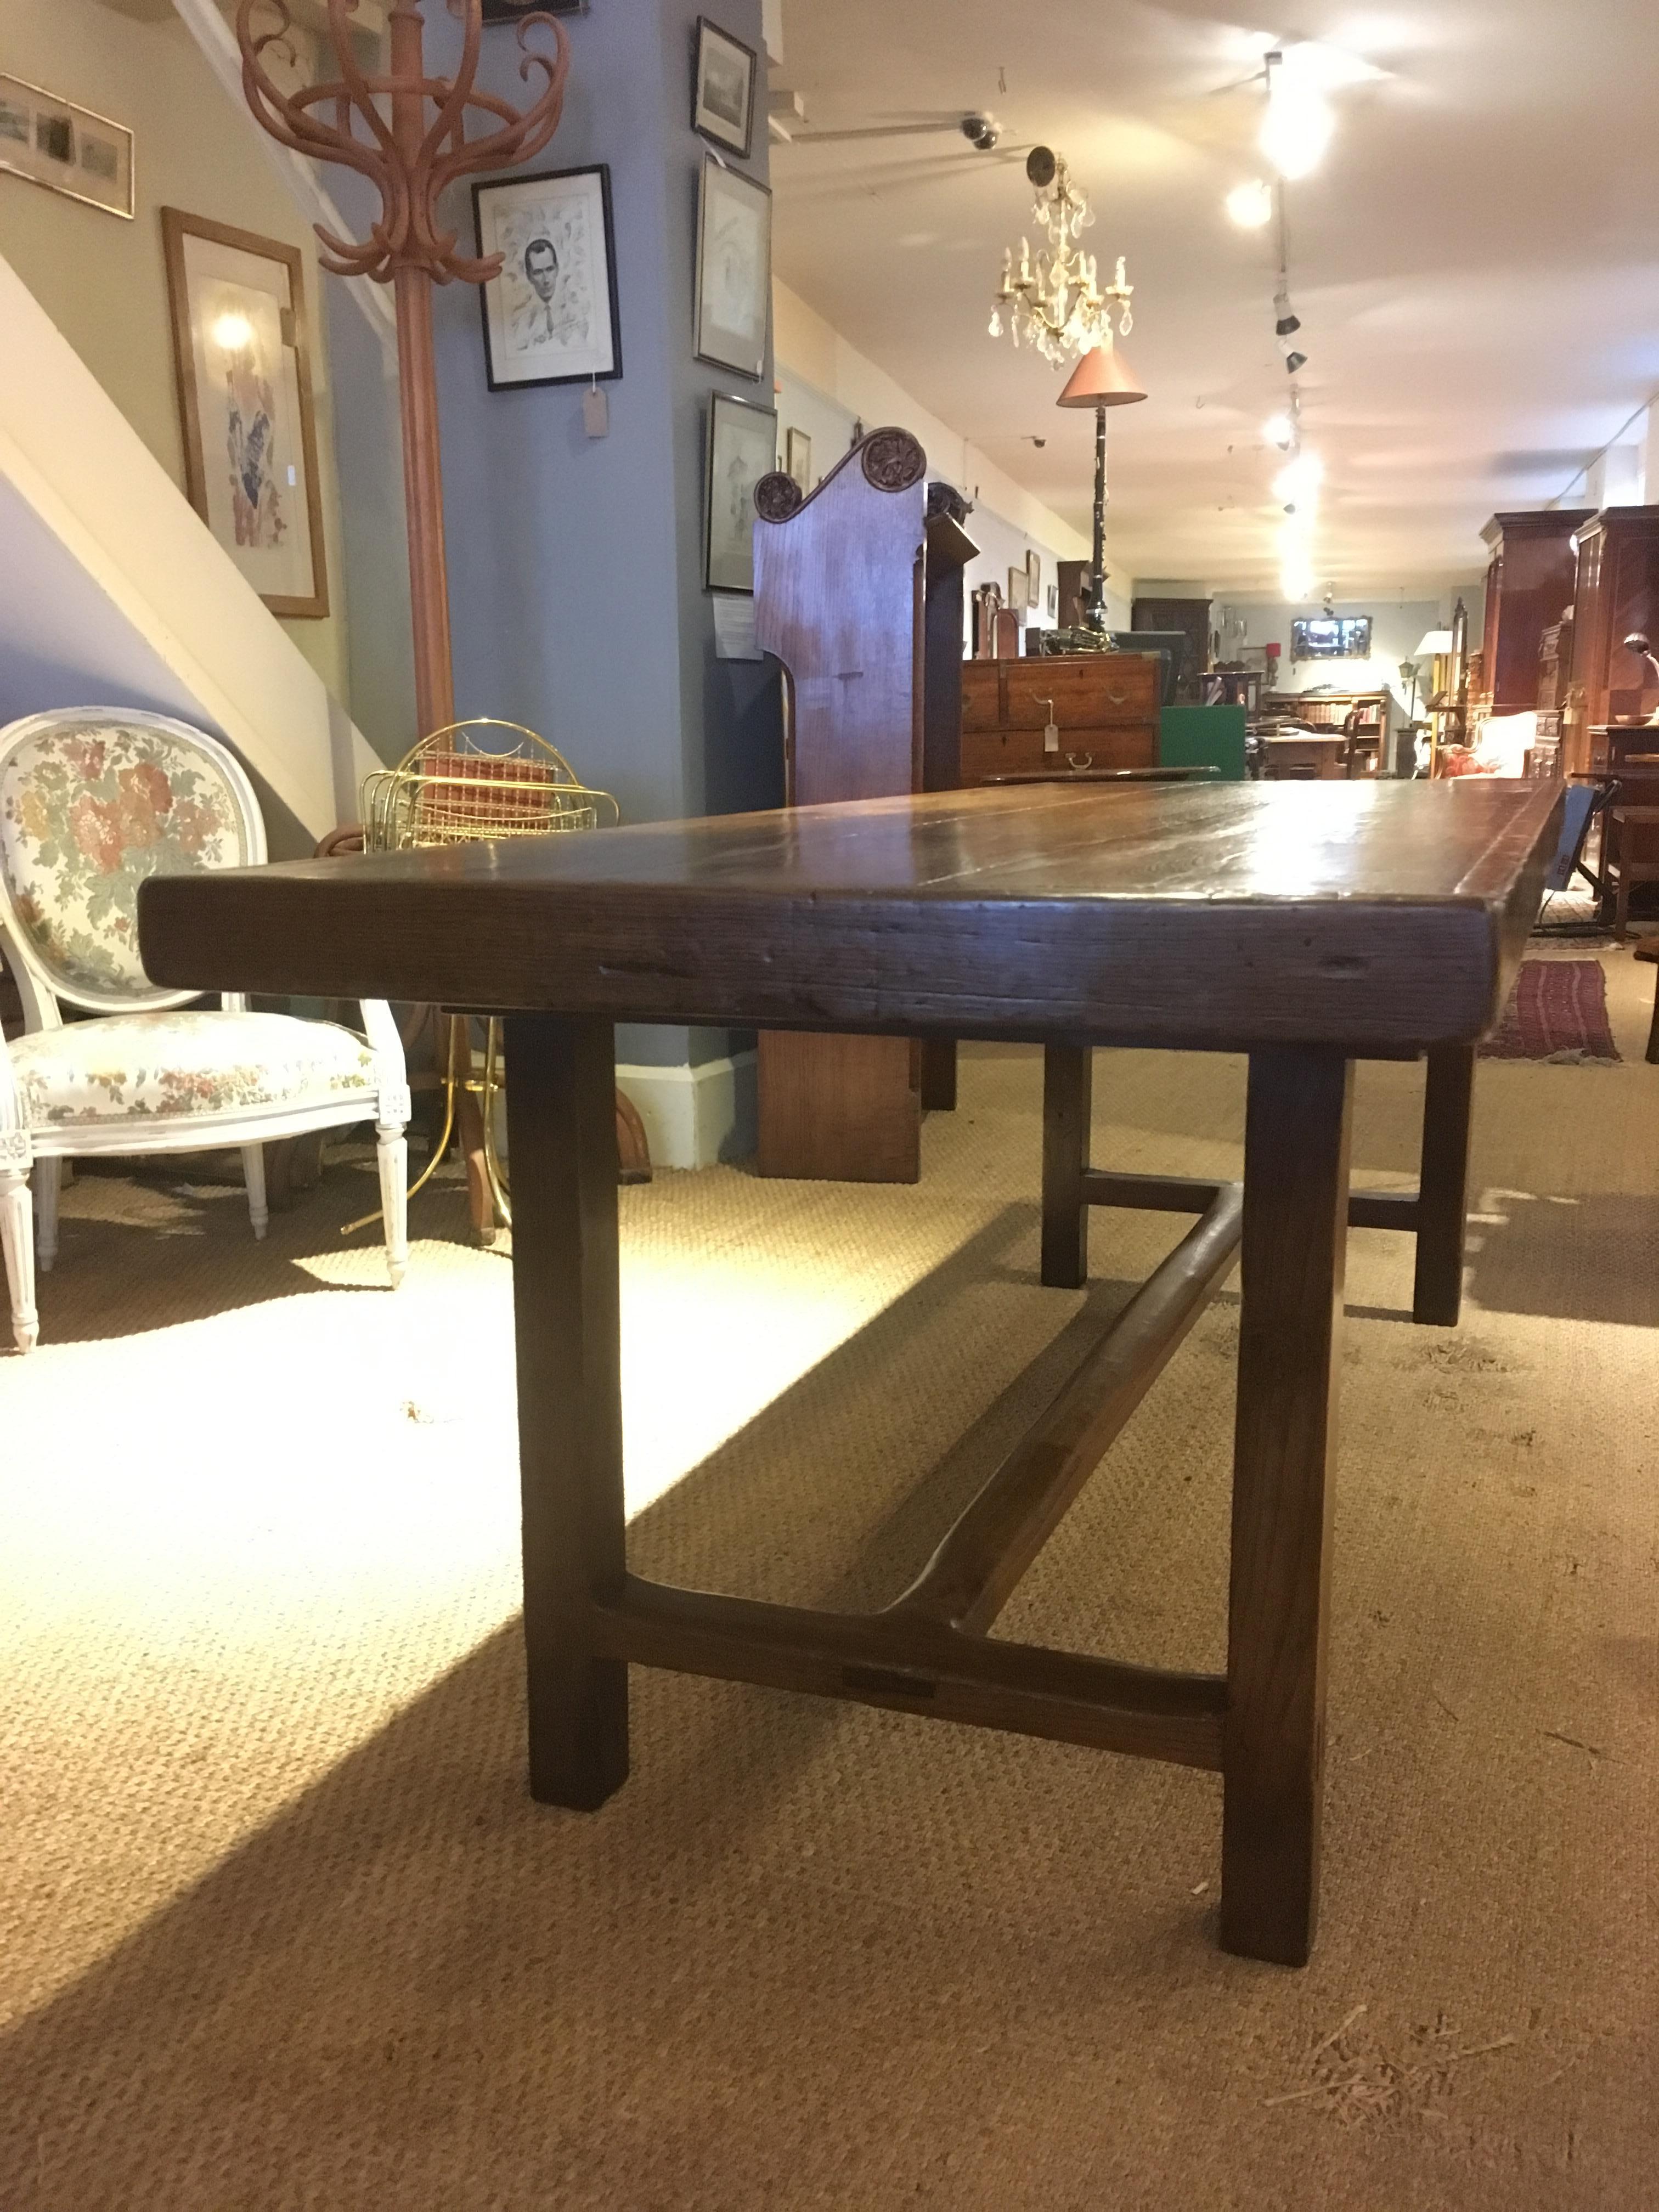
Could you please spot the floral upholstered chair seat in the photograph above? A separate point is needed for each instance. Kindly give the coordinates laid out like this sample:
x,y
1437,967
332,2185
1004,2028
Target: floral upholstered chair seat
x,y
183,1063
92,802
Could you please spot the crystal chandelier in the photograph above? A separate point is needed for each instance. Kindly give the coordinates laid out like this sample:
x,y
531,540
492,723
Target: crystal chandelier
x,y
1056,303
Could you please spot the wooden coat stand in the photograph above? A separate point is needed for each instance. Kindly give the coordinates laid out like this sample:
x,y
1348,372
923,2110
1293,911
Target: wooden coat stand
x,y
406,132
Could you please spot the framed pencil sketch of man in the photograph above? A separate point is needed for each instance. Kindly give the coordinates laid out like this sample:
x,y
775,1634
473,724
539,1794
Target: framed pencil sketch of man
x,y
743,448
550,315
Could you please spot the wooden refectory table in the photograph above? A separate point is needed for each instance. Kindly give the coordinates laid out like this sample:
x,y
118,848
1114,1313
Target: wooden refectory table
x,y
1306,925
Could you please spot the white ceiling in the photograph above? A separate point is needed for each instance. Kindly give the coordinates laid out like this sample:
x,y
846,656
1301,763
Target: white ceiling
x,y
1476,264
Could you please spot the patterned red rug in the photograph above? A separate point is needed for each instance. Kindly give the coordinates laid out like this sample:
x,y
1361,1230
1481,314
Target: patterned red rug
x,y
1559,1012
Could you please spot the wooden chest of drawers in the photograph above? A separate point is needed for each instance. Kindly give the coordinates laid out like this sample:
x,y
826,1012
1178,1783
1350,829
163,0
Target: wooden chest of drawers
x,y
1104,706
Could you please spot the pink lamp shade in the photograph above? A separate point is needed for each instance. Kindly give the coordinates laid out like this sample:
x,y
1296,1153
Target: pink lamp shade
x,y
1101,379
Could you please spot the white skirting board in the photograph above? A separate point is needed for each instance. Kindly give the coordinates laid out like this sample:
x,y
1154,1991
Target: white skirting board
x,y
694,1116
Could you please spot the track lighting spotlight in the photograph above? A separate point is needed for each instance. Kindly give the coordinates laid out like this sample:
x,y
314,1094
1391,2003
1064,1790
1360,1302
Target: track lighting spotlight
x,y
1294,362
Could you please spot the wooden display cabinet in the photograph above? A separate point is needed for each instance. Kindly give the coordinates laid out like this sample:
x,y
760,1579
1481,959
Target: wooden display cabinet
x,y
1530,585
1617,592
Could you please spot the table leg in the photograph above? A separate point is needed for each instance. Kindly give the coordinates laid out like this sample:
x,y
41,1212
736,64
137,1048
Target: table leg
x,y
1443,1186
1295,1198
562,1135
1067,1088
939,1075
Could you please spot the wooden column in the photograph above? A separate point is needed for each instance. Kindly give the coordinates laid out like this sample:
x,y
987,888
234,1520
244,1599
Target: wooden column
x,y
1296,1200
562,1132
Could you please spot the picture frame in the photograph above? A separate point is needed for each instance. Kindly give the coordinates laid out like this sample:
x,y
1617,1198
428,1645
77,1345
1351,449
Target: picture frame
x,y
1033,576
550,316
1054,602
723,77
742,448
1020,589
514,11
67,147
734,270
798,459
242,363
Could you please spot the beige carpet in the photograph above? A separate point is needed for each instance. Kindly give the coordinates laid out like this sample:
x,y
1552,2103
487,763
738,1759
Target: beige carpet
x,y
279,1927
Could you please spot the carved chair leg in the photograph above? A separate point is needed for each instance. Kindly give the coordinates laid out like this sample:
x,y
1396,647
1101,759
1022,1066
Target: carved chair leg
x,y
17,1237
633,1150
254,1170
48,1176
392,1152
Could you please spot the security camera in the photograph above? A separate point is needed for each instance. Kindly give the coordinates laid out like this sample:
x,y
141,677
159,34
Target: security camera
x,y
981,131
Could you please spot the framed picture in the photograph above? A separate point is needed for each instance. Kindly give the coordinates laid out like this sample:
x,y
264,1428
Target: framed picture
x,y
1054,602
734,270
241,358
723,89
798,459
1033,576
743,448
514,11
1020,588
68,148
550,316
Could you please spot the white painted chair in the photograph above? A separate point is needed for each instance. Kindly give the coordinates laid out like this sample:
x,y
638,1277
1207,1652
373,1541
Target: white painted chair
x,y
91,802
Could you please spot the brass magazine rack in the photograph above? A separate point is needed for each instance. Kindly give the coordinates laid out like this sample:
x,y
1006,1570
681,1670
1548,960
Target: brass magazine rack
x,y
472,780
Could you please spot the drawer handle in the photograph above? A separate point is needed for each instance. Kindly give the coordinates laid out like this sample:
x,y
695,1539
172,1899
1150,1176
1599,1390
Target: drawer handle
x,y
1118,698
1081,760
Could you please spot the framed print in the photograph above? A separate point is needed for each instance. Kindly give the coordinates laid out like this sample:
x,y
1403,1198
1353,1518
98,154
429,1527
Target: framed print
x,y
1020,588
68,148
1034,576
798,459
550,316
1054,602
241,355
743,448
723,89
734,269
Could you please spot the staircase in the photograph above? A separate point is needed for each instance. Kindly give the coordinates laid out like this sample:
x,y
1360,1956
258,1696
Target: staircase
x,y
113,591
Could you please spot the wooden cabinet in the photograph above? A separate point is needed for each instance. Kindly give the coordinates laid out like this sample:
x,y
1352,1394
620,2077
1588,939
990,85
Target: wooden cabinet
x,y
1104,707
1529,586
1617,593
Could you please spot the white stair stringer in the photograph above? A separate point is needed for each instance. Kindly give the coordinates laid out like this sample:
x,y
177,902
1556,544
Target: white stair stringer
x,y
112,590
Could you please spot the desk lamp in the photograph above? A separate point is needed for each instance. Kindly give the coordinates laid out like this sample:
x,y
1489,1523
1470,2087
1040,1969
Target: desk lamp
x,y
1638,643
1100,380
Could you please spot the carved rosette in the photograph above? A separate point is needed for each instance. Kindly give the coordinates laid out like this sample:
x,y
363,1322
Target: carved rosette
x,y
777,496
893,460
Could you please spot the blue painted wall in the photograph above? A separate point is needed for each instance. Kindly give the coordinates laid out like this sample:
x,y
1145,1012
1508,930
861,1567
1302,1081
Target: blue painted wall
x,y
575,564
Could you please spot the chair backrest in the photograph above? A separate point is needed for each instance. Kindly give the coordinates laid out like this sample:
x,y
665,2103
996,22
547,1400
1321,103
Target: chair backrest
x,y
92,800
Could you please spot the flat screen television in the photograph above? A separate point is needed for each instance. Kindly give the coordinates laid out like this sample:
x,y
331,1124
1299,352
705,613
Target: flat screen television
x,y
1331,637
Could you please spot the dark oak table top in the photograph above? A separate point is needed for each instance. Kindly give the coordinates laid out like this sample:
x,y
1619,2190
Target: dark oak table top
x,y
1387,915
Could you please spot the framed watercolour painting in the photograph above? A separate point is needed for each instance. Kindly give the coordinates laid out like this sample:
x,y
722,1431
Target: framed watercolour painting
x,y
52,142
723,89
550,316
743,448
734,270
243,375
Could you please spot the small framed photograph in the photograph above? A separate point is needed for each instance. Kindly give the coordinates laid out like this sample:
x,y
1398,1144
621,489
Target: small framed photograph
x,y
798,459
242,360
743,448
734,270
550,316
1054,602
723,89
68,148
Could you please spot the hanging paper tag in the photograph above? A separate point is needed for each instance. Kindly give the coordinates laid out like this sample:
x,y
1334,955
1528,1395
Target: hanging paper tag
x,y
596,412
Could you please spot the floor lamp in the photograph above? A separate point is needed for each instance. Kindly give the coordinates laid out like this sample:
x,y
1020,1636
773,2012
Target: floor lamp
x,y
1101,379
